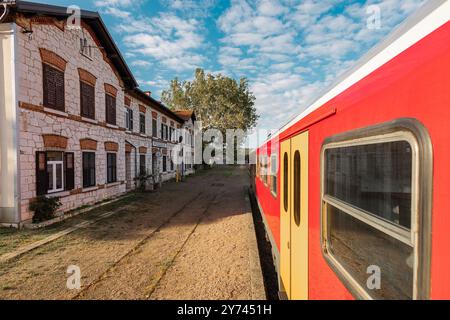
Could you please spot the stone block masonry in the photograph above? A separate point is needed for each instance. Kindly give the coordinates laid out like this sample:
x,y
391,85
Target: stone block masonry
x,y
53,143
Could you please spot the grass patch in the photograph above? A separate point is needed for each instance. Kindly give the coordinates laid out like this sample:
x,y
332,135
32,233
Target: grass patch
x,y
228,174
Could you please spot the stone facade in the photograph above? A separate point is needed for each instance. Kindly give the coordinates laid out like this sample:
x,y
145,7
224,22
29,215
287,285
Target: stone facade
x,y
43,129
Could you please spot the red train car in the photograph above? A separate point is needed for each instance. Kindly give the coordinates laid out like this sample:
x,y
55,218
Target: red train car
x,y
354,191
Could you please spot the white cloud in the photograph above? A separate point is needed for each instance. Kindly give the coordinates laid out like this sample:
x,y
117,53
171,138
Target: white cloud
x,y
271,8
289,49
293,54
140,63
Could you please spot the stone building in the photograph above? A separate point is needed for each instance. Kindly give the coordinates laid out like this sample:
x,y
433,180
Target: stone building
x,y
187,140
73,122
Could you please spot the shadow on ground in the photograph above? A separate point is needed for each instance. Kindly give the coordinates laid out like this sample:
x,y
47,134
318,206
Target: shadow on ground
x,y
265,252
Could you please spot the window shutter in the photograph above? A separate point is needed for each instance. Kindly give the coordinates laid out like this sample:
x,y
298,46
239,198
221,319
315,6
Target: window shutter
x,y
110,109
131,120
41,174
59,91
69,168
85,170
49,86
53,88
113,110
87,94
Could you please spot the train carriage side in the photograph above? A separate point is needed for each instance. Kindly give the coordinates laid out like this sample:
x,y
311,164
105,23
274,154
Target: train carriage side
x,y
377,175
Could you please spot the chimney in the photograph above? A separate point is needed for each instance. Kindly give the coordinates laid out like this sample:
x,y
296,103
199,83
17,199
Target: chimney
x,y
149,93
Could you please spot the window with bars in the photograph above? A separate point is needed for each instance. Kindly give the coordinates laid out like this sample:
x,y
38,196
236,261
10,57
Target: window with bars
x,y
53,88
89,169
87,101
110,102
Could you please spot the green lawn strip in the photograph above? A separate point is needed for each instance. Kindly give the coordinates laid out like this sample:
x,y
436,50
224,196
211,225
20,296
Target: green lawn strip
x,y
11,239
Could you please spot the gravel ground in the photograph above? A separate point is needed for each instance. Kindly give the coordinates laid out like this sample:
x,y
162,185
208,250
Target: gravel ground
x,y
186,241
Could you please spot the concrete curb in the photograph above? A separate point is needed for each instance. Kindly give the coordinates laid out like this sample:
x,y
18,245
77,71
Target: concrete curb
x,y
256,275
32,246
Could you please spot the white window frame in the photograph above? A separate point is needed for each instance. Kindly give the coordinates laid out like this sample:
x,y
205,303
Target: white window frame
x,y
53,165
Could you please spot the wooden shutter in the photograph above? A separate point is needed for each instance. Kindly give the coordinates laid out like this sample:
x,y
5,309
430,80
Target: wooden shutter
x,y
53,88
154,128
88,169
110,109
131,120
59,90
85,170
49,87
87,94
41,173
69,171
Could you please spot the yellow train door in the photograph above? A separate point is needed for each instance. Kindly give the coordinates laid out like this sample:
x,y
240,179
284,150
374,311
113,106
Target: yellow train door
x,y
285,212
294,217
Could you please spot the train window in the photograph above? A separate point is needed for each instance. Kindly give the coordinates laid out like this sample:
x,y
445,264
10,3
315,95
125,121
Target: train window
x,y
286,181
265,164
257,166
297,191
376,178
273,174
370,219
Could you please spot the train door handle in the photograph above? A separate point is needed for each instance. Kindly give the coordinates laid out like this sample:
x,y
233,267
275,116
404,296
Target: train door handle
x,y
289,245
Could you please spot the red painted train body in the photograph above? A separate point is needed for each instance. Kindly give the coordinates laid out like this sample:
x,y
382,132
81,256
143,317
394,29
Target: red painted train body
x,y
402,87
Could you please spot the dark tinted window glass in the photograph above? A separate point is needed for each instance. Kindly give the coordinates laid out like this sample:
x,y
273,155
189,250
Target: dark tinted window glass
x,y
376,178
297,191
286,181
358,246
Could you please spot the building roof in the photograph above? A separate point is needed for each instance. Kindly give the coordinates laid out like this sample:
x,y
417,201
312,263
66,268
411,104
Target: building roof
x,y
94,20
186,115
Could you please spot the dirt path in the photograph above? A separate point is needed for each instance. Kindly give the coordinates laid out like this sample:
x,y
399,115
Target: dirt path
x,y
185,241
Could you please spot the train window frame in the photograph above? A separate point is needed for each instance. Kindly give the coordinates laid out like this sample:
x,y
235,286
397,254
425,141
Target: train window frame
x,y
257,166
264,167
274,175
413,132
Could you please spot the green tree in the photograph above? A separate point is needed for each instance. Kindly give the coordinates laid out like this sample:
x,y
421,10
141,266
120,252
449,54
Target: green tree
x,y
219,102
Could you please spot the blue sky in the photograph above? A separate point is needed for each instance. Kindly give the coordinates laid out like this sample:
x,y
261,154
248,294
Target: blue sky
x,y
290,50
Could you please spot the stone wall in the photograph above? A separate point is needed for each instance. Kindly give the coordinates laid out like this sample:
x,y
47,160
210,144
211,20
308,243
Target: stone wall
x,y
43,129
